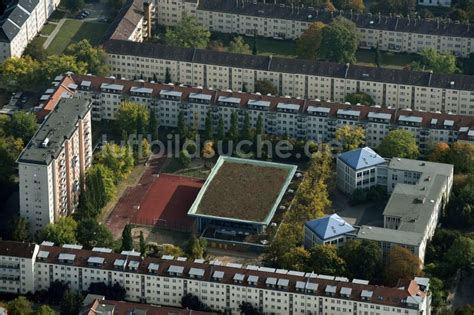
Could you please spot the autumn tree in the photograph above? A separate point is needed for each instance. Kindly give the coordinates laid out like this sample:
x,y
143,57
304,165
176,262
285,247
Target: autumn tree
x,y
401,263
461,155
132,118
438,153
399,143
118,159
350,137
196,247
19,73
188,34
296,258
307,46
239,46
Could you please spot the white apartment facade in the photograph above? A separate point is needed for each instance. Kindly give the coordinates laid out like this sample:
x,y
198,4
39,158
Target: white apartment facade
x,y
20,23
223,287
17,267
435,3
53,163
390,33
297,118
422,91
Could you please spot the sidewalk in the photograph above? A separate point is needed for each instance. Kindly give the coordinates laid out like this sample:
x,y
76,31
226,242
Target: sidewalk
x,y
51,36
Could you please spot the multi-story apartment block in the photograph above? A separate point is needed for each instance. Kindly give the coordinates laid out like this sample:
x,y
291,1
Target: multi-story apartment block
x,y
297,118
20,23
435,3
223,287
422,91
418,192
53,163
17,267
389,33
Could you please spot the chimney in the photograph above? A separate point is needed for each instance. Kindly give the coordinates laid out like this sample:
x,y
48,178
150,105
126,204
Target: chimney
x,y
147,16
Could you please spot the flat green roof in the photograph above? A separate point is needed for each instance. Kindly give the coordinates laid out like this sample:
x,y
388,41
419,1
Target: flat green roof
x,y
243,190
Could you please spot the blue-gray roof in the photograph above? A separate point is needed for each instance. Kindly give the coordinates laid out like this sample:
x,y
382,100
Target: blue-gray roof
x,y
361,158
329,226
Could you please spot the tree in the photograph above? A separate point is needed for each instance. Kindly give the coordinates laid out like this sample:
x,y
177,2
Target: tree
x,y
142,244
115,292
183,129
216,45
220,130
74,5
188,33
100,189
356,5
184,158
259,125
19,73
394,6
130,116
339,41
93,57
439,153
461,254
254,45
20,231
350,137
461,155
294,259
307,46
114,6
71,302
20,306
289,236
265,87
61,232
399,143
56,291
152,125
36,51
363,258
192,302
146,149
118,159
324,259
208,126
378,56
246,308
23,125
466,309
155,250
233,133
239,46
246,133
401,263
360,98
56,64
167,75
46,310
196,247
438,62
91,233
127,240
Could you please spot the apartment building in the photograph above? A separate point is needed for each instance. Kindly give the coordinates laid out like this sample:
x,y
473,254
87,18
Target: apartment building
x,y
391,33
424,91
53,163
17,267
418,193
305,119
223,287
20,23
435,3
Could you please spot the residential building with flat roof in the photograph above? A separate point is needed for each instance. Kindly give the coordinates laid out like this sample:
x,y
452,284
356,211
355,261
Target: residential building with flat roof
x,y
403,89
54,161
221,286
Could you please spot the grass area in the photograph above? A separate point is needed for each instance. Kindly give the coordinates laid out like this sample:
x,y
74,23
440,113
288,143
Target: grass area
x,y
48,29
39,40
57,15
73,31
200,172
389,60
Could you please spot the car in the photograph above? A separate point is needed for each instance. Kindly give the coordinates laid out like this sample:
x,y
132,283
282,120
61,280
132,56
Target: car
x,y
86,12
79,17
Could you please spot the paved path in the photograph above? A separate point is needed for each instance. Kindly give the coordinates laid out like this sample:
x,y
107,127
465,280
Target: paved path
x,y
53,33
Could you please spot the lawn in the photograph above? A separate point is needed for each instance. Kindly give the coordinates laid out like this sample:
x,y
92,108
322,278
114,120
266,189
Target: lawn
x,y
57,15
48,29
38,39
73,31
389,60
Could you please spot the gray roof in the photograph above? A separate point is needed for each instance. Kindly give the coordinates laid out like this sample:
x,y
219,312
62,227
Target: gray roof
x,y
421,166
58,126
365,20
293,66
28,5
8,31
389,236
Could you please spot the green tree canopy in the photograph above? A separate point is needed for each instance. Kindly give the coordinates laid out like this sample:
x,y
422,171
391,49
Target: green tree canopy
x,y
350,137
340,41
399,143
36,51
461,155
461,253
127,239
307,46
100,189
94,57
360,97
196,247
46,310
363,258
10,148
20,230
188,33
265,87
401,263
239,46
23,125
71,302
118,159
438,62
91,233
61,232
19,73
57,64
131,117
324,259
20,306
184,158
